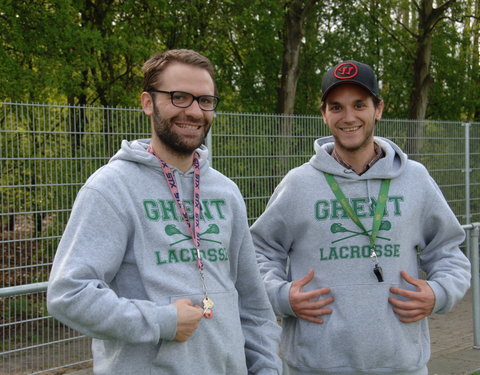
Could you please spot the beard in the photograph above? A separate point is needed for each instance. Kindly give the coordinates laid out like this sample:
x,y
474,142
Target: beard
x,y
367,140
178,144
363,143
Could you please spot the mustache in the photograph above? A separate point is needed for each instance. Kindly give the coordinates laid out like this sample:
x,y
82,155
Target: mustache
x,y
191,120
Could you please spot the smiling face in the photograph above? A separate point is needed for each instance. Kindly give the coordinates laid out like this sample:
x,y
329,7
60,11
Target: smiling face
x,y
350,114
179,131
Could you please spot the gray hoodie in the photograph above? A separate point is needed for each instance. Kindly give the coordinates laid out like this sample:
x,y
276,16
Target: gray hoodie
x,y
126,255
305,226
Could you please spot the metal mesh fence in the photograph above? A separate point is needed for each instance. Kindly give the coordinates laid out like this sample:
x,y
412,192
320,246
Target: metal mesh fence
x,y
47,152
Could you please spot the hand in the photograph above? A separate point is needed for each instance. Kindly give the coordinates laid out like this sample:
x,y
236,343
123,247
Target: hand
x,y
421,301
188,318
305,305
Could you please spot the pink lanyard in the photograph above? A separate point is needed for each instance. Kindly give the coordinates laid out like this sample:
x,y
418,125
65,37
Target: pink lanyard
x,y
195,229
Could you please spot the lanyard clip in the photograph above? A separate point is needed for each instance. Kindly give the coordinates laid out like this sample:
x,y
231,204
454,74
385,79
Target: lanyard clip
x,y
199,260
373,255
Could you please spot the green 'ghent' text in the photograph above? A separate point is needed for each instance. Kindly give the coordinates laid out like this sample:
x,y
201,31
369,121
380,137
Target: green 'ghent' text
x,y
332,209
166,210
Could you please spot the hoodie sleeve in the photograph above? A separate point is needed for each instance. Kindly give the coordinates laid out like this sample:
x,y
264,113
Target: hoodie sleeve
x,y
447,268
259,325
272,239
79,290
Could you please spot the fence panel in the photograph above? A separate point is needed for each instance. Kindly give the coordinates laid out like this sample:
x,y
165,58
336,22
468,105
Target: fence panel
x,y
47,152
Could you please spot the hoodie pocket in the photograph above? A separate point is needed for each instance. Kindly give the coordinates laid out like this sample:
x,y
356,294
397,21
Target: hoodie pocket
x,y
216,347
362,333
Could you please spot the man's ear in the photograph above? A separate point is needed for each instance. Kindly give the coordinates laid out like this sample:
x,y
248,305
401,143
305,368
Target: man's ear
x,y
379,111
147,103
322,112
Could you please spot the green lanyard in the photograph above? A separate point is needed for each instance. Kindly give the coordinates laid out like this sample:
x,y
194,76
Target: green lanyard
x,y
377,217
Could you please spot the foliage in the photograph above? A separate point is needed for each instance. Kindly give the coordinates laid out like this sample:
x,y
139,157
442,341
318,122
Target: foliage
x,y
91,51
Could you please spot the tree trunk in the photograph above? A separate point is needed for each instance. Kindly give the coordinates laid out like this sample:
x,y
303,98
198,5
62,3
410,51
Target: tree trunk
x,y
293,32
77,120
11,223
422,79
476,54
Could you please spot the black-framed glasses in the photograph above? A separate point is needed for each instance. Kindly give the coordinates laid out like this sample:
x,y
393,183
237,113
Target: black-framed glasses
x,y
183,99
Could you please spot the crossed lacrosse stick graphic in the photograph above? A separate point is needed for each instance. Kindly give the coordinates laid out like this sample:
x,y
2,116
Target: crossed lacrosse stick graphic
x,y
339,228
172,230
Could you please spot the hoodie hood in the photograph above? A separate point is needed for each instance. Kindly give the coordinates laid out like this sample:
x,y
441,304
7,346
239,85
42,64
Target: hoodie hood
x,y
388,167
136,151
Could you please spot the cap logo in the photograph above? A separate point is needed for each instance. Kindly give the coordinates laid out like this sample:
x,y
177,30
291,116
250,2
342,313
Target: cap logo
x,y
346,71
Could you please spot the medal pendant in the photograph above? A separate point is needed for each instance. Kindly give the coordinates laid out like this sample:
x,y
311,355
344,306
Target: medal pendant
x,y
207,308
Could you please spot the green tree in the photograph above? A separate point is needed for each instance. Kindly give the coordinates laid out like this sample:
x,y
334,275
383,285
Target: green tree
x,y
90,52
35,36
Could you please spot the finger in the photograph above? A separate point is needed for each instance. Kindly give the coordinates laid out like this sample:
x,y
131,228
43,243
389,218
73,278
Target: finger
x,y
409,312
310,318
298,306
399,304
198,312
300,283
316,312
402,304
314,304
410,316
411,320
404,292
312,311
315,293
408,278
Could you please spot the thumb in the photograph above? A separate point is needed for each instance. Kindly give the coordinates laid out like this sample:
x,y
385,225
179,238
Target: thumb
x,y
409,279
306,279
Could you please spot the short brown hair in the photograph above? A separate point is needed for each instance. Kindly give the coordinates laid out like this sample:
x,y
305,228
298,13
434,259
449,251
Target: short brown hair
x,y
155,65
376,102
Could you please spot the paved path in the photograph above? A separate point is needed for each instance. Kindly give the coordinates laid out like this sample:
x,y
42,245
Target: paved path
x,y
452,342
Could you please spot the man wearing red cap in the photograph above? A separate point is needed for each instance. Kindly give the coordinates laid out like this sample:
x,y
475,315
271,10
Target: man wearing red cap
x,y
342,240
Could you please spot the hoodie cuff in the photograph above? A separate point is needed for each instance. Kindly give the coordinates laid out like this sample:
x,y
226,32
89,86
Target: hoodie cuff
x,y
284,300
167,321
440,296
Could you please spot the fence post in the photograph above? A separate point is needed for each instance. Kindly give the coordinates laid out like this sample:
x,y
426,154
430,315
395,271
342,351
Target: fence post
x,y
467,126
475,284
208,143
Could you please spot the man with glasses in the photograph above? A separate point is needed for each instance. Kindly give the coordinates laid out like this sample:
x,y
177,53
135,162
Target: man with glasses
x,y
157,263
342,240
